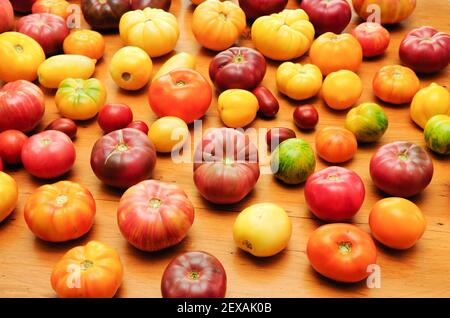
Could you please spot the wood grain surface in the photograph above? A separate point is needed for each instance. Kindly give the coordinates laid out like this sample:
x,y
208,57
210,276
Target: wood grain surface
x,y
422,271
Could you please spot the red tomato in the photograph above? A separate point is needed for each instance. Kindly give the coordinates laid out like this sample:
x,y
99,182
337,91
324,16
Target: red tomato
x,y
306,117
194,275
182,93
114,116
277,135
328,15
123,158
341,252
11,143
64,125
373,37
154,215
139,125
334,194
1,164
268,104
48,154
6,16
22,6
256,8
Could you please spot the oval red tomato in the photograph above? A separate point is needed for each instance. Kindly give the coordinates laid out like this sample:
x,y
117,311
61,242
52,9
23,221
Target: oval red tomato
x,y
64,125
139,125
305,117
268,104
373,37
328,15
11,144
114,116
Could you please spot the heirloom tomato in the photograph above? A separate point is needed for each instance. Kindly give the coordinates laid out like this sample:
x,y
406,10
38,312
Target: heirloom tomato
x,y
262,229
11,144
85,42
428,102
104,14
368,122
114,116
334,194
395,84
22,6
123,158
401,169
6,16
90,271
156,4
60,212
217,25
298,81
341,252
80,99
342,89
257,8
153,215
237,107
194,275
397,223
225,166
373,37
1,164
283,36
390,11
24,55
306,117
139,125
64,125
328,15
57,7
168,134
437,134
153,30
277,135
10,195
179,60
21,106
335,144
268,105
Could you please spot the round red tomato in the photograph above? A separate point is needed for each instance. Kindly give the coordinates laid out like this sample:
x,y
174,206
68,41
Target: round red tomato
x,y
11,143
139,125
257,8
194,275
373,37
225,166
64,125
334,194
328,15
114,116
401,169
123,158
22,6
6,16
341,252
305,117
154,215
48,154
182,93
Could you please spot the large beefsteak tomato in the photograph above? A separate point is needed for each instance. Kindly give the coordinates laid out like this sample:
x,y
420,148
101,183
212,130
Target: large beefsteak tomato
x,y
328,15
390,11
299,81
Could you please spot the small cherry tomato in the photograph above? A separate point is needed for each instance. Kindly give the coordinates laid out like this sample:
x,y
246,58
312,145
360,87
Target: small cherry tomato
x,y
114,116
268,104
306,117
276,136
64,125
139,125
11,143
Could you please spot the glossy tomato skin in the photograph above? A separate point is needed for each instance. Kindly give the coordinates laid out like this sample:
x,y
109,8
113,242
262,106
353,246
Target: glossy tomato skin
x,y
11,144
157,4
139,125
123,158
104,14
336,144
334,194
6,16
401,169
58,7
48,154
194,275
277,135
114,116
64,125
373,37
328,15
256,8
268,104
306,117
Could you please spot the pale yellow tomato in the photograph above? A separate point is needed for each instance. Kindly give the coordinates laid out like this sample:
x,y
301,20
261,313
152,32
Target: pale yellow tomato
x,y
168,134
9,195
342,89
299,81
237,107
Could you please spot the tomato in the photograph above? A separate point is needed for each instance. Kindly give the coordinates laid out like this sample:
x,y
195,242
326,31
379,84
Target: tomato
x,y
64,125
395,84
277,135
6,16
401,169
225,166
437,134
345,49
60,212
21,106
237,67
153,215
10,195
334,194
179,60
168,134
293,161
80,99
237,107
1,164
336,144
114,116
342,89
194,275
268,105
48,154
328,15
283,36
139,125
57,7
24,55
373,37
397,223
341,252
104,14
22,6
428,102
217,25
262,229
90,271
123,158
186,92
157,4
298,81
11,144
84,42
306,117
368,122
391,11
156,38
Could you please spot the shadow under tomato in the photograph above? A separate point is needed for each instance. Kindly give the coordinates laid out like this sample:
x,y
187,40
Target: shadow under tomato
x,y
347,287
234,207
10,218
117,192
396,253
262,262
167,253
331,164
62,247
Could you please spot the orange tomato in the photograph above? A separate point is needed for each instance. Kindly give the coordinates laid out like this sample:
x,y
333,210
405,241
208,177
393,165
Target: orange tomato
x,y
57,7
85,42
333,52
397,223
342,89
60,212
90,271
335,144
395,84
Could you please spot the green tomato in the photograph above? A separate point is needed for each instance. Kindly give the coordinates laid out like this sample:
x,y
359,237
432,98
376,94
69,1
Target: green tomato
x,y
367,122
437,134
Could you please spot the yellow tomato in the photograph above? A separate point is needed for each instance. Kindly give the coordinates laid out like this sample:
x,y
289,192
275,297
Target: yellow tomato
x,y
283,36
153,30
262,229
342,89
131,68
429,101
20,57
9,195
180,60
168,133
299,81
217,25
237,107
85,42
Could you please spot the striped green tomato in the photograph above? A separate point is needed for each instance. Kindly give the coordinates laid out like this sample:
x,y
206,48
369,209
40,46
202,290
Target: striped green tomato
x,y
367,122
437,134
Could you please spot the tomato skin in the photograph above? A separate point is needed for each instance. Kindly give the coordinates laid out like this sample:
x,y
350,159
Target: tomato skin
x,y
104,14
12,142
22,6
237,107
277,135
328,15
113,116
257,8
10,195
168,134
85,42
341,252
373,37
64,125
391,11
6,16
306,117
336,144
437,134
368,122
428,102
1,164
334,194
298,81
342,89
268,104
139,125
57,7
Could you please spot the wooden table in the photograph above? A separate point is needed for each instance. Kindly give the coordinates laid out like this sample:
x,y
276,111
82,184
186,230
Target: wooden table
x,y
26,262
